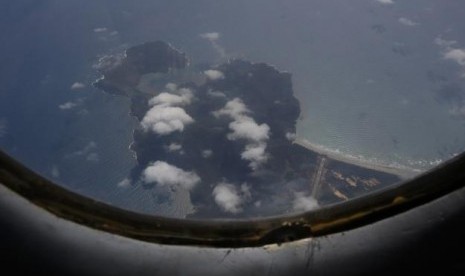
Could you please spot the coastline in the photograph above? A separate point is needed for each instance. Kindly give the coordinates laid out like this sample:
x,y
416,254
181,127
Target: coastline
x,y
402,172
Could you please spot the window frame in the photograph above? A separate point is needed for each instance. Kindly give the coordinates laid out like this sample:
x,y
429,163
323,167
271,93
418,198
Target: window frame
x,y
233,233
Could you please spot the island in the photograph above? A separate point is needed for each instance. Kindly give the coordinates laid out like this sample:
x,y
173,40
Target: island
x,y
225,135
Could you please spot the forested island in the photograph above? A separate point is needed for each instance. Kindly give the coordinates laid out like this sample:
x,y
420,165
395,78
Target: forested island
x,y
226,134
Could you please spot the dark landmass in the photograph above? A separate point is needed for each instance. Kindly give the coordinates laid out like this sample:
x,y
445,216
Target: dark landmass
x,y
344,181
268,94
122,74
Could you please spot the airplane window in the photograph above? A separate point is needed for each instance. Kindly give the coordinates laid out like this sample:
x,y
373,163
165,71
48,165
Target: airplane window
x,y
231,109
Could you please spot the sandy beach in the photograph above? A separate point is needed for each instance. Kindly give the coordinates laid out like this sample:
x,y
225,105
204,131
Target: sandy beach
x,y
402,172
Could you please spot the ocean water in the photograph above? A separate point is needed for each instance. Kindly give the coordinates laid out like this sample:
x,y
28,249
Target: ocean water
x,y
369,85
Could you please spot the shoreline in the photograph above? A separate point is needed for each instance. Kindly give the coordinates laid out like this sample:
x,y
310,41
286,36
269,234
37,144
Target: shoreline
x,y
403,173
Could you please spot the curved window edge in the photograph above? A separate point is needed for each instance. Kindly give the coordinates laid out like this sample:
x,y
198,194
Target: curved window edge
x,y
344,216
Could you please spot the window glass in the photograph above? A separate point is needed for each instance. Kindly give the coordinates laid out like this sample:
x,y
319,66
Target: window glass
x,y
231,109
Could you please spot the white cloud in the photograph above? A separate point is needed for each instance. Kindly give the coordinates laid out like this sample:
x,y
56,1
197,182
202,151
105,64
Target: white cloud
x,y
165,98
100,30
83,112
210,36
88,152
457,111
247,128
228,198
385,2
444,43
245,190
214,74
55,171
207,153
85,151
213,38
216,94
234,108
77,86
290,136
93,157
165,116
370,81
174,147
124,183
304,203
164,120
91,145
67,105
454,54
255,153
71,105
165,174
171,86
407,22
457,55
